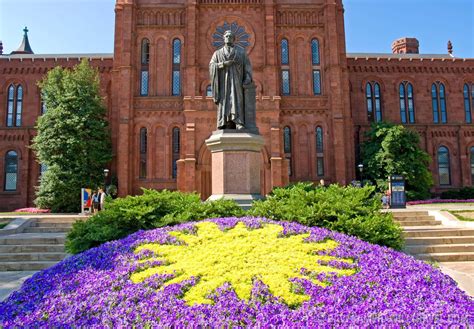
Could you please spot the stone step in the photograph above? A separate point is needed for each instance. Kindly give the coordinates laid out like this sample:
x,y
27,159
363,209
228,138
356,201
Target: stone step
x,y
46,229
411,218
34,256
418,223
58,220
26,266
409,213
35,238
41,224
438,232
447,257
439,248
438,240
32,248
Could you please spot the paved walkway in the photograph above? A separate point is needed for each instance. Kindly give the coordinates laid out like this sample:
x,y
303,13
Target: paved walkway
x,y
11,281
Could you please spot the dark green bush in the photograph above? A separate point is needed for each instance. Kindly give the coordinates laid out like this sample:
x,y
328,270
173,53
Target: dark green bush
x,y
464,193
153,209
350,210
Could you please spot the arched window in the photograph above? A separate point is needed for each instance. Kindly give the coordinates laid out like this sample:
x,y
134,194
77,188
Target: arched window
x,y
176,75
145,62
468,102
11,171
10,105
472,165
319,152
443,166
209,91
316,62
176,149
373,97
438,100
19,105
407,105
287,148
43,103
285,68
143,153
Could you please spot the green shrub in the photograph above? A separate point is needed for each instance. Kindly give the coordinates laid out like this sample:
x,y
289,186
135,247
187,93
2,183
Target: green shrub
x,y
350,210
153,209
464,193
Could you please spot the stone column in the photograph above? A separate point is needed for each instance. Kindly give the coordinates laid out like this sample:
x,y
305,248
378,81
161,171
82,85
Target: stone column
x,y
236,162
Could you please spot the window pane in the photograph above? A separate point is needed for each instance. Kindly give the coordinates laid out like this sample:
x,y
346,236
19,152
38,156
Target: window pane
x,y
11,171
403,113
290,166
472,165
287,140
320,166
285,58
209,91
443,166
467,104
315,52
285,82
317,82
444,116
43,168
411,110
175,148
435,110
176,83
145,52
19,105
144,84
143,152
319,140
176,51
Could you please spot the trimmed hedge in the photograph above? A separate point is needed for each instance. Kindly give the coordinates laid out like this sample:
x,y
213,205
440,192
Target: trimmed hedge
x,y
153,209
464,193
350,210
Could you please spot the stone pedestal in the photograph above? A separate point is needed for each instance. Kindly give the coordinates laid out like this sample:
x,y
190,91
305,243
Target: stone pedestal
x,y
236,162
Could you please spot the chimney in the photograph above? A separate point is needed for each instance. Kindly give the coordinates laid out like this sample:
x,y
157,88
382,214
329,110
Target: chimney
x,y
406,46
1,47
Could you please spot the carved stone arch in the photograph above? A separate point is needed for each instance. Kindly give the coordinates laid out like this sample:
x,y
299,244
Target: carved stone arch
x,y
259,87
372,79
11,148
203,86
15,82
450,146
468,148
407,79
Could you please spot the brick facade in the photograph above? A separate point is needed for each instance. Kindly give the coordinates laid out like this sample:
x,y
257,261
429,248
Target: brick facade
x,y
339,111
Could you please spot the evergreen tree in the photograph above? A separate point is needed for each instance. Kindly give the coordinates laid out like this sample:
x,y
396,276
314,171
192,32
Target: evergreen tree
x,y
73,138
394,150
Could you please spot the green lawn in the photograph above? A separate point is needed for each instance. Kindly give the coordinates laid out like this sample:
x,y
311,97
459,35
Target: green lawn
x,y
465,215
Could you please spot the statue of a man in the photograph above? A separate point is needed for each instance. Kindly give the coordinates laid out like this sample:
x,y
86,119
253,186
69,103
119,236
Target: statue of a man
x,y
230,70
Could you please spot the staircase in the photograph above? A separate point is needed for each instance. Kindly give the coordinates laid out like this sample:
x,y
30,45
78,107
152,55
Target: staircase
x,y
38,246
427,239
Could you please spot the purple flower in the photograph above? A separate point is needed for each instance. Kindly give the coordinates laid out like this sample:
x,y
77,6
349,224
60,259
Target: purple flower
x,y
93,289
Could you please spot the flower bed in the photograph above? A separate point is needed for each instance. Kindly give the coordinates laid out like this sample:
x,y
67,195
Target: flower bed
x,y
238,272
412,203
33,210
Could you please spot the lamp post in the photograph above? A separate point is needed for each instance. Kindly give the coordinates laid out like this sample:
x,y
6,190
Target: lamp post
x,y
106,173
361,169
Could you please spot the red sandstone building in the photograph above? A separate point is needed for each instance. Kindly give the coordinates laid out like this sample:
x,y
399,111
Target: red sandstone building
x,y
314,100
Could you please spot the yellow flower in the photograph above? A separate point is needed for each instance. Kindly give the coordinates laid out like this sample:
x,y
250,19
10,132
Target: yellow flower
x,y
237,256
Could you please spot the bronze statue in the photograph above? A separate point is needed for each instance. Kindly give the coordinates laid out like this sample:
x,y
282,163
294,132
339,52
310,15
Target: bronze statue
x,y
231,75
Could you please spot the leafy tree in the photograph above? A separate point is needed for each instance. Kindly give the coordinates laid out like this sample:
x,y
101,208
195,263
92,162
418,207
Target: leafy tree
x,y
73,138
394,150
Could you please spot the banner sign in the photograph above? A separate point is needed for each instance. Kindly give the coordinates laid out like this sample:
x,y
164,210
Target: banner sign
x,y
86,199
397,192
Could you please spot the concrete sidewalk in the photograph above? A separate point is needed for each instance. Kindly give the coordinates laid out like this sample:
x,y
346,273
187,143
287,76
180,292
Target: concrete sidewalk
x,y
11,281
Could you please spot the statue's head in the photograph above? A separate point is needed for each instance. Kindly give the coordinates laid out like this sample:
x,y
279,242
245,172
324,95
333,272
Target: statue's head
x,y
229,37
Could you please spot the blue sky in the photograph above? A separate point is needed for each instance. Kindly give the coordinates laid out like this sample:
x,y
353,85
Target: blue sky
x,y
87,26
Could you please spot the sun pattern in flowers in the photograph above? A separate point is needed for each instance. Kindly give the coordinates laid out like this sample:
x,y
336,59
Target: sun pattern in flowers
x,y
239,256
